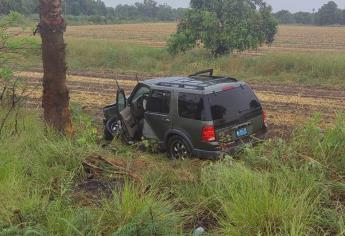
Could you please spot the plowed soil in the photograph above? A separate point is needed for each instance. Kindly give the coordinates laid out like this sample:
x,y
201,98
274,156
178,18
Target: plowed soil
x,y
288,38
288,106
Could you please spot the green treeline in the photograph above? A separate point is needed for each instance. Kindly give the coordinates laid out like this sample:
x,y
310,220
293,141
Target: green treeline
x,y
328,14
149,10
96,10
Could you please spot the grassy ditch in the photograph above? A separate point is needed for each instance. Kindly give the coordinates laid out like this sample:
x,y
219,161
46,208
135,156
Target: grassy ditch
x,y
293,187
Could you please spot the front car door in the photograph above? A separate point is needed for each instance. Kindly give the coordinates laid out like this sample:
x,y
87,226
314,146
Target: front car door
x,y
121,101
157,115
132,115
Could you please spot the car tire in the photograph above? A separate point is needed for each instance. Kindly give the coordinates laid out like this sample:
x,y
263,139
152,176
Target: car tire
x,y
107,135
178,149
109,131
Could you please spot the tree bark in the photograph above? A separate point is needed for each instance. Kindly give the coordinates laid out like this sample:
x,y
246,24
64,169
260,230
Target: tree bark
x,y
55,93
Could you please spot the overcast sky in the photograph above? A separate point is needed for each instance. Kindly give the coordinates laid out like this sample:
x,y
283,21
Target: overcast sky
x,y
291,5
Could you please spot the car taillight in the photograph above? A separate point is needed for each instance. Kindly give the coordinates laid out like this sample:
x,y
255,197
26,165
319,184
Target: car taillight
x,y
208,134
264,119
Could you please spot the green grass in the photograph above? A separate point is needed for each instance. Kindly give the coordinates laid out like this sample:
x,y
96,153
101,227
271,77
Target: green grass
x,y
263,203
308,68
291,67
293,187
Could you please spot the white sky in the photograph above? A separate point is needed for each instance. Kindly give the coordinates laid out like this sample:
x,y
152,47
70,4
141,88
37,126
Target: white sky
x,y
291,5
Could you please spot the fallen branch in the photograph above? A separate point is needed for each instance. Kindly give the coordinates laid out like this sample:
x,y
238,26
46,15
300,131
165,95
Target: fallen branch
x,y
3,92
15,100
112,169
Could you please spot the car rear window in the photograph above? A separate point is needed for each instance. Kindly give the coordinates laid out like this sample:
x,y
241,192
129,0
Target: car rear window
x,y
222,107
233,103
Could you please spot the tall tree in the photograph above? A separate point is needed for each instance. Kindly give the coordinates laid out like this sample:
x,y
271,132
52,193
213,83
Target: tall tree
x,y
285,17
328,14
304,18
224,26
342,17
55,93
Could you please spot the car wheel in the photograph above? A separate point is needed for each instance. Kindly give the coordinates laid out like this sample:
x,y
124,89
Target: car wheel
x,y
107,135
112,129
178,149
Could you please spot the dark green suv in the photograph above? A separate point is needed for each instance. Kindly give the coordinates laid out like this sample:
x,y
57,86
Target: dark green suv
x,y
200,115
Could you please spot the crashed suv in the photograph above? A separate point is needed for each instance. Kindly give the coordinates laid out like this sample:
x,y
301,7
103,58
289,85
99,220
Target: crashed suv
x,y
200,115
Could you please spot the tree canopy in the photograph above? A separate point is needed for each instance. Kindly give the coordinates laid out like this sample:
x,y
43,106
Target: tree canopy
x,y
146,10
223,26
328,14
96,11
22,6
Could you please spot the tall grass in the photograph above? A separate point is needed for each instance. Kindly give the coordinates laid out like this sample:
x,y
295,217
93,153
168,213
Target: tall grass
x,y
303,67
289,67
37,167
133,212
39,171
318,156
313,68
293,187
262,203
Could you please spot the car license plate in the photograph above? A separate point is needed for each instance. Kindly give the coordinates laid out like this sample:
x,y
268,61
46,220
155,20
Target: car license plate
x,y
241,132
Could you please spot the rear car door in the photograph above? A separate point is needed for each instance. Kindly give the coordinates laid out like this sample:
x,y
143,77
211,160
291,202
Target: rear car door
x,y
157,115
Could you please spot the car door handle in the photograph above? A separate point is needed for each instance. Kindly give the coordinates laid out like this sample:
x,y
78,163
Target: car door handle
x,y
166,119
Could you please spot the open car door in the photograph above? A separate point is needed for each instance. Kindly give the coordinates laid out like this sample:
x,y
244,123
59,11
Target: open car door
x,y
124,113
121,101
127,112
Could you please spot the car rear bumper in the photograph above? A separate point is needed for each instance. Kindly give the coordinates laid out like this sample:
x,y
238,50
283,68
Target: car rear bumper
x,y
231,148
207,155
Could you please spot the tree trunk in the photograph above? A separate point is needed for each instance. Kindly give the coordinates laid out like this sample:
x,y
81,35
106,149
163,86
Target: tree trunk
x,y
55,93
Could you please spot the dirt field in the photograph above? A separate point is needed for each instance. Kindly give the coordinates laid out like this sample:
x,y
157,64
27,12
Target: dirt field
x,y
287,106
310,37
156,35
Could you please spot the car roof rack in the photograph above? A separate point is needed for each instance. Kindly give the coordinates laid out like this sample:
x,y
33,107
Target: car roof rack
x,y
208,74
178,85
209,71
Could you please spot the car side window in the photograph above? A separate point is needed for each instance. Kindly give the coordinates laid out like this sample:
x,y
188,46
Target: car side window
x,y
159,102
140,92
191,106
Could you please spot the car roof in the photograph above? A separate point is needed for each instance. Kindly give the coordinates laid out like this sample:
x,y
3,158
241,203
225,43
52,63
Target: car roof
x,y
195,84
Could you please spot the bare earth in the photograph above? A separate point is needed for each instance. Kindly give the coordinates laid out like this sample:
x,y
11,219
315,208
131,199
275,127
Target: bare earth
x,y
287,106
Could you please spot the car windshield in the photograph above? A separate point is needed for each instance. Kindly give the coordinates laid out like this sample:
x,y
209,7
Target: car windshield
x,y
232,104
